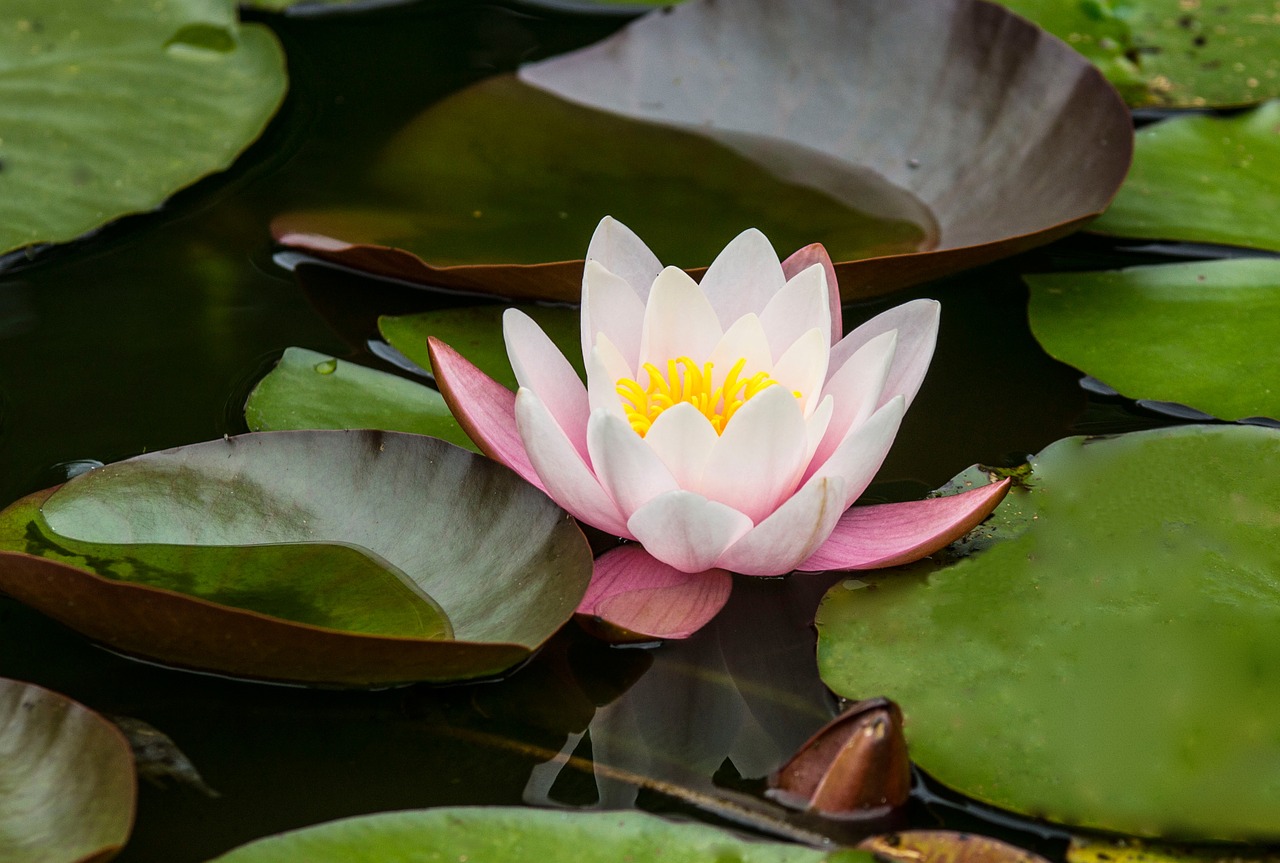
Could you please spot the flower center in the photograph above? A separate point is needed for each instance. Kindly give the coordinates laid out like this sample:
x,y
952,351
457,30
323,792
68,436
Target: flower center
x,y
685,382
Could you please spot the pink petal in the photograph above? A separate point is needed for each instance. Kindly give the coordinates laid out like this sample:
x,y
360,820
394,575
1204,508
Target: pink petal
x,y
861,453
541,367
687,531
791,534
683,439
632,590
801,260
624,254
891,534
568,480
628,469
856,391
801,305
917,326
678,321
610,306
743,277
484,408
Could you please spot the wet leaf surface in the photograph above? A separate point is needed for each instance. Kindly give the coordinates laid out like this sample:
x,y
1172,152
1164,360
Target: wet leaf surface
x,y
197,87
1113,666
1200,334
945,846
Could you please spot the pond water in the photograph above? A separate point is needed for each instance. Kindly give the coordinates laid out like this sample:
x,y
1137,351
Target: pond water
x,y
151,335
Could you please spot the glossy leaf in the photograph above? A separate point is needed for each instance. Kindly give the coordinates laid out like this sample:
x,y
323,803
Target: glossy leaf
x,y
514,835
452,529
1203,179
935,175
196,86
1200,334
67,776
945,846
1096,850
476,333
309,390
1114,664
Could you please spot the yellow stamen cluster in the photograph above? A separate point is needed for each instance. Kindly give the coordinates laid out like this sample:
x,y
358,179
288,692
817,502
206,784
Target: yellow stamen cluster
x,y
685,382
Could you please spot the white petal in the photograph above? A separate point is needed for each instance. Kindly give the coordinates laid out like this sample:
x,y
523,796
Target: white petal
x,y
759,458
861,453
816,426
605,367
623,253
803,304
858,390
803,367
687,531
629,470
568,479
814,253
541,367
610,306
744,340
683,439
678,321
917,326
791,534
743,277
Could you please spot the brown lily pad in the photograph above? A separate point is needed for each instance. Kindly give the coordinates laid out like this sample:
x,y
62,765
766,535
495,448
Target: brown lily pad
x,y
945,846
935,135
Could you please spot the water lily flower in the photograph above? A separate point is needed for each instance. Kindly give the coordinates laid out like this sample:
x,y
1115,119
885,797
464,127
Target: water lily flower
x,y
724,426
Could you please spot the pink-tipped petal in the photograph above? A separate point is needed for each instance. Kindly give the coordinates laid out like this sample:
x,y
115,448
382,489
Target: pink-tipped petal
x,y
802,305
566,477
802,259
628,469
759,458
610,306
856,390
605,367
917,326
683,439
484,408
678,321
861,453
632,590
687,531
621,252
743,277
541,367
891,534
791,534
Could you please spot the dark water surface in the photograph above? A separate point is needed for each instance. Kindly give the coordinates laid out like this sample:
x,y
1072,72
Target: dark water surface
x,y
151,334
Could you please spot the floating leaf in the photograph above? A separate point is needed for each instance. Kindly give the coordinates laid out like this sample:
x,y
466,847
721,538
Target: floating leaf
x,y
1088,850
1200,334
514,835
1203,179
945,846
167,556
67,776
904,177
1112,666
309,390
196,86
476,333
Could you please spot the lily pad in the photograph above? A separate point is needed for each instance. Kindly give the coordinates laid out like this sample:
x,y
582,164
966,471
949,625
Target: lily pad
x,y
310,390
1114,665
1203,179
476,332
507,835
904,177
68,779
1200,334
197,87
338,557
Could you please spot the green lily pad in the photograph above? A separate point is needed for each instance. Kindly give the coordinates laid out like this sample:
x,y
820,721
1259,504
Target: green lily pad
x,y
1200,334
339,557
196,86
1171,53
476,332
513,835
1112,666
68,779
1203,179
675,121
309,390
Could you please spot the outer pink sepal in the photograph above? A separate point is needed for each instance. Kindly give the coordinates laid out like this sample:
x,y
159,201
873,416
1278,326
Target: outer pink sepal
x,y
634,591
484,408
891,534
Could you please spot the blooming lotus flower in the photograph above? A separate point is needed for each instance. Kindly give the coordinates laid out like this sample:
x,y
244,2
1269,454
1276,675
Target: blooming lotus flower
x,y
725,426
